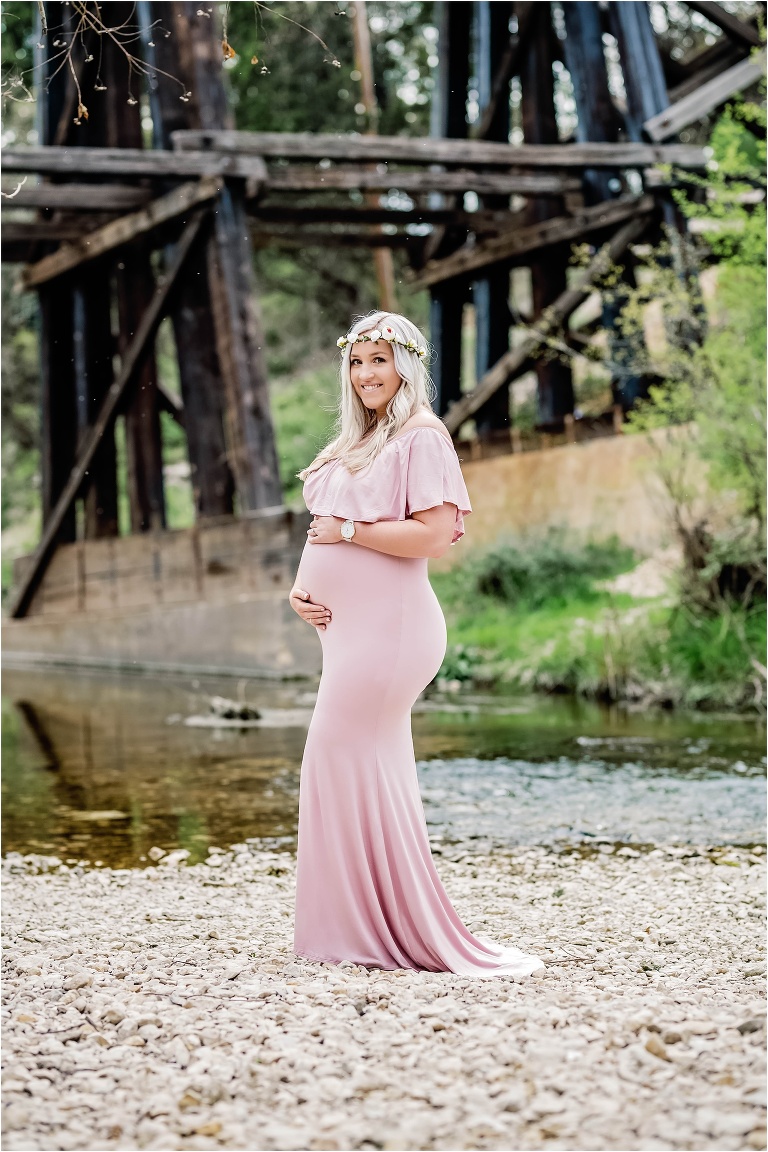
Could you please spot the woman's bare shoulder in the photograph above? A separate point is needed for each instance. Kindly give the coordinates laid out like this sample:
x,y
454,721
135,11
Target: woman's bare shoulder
x,y
425,418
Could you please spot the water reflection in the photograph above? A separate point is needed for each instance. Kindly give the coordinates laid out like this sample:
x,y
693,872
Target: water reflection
x,y
102,767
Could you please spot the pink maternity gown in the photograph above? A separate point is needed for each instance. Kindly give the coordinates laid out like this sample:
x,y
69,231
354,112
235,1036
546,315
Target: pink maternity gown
x,y
367,888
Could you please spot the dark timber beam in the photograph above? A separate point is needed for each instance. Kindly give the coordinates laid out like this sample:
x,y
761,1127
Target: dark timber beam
x,y
452,152
699,103
251,454
58,412
76,197
554,393
514,245
348,177
490,292
121,231
139,346
191,311
548,324
240,346
448,130
92,330
734,28
133,162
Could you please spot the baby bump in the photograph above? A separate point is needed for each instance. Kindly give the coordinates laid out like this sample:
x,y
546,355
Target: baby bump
x,y
386,620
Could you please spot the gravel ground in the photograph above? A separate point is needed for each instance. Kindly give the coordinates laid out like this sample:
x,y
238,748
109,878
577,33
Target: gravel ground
x,y
163,1009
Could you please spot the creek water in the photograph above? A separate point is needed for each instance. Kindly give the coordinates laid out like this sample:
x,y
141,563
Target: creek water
x,y
102,767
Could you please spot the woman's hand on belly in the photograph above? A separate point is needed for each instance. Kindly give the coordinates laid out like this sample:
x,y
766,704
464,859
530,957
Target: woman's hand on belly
x,y
325,530
315,614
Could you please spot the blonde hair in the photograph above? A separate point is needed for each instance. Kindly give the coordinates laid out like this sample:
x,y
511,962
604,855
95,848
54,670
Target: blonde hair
x,y
353,420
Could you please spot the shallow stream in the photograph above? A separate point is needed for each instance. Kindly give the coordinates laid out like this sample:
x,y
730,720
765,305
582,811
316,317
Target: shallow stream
x,y
103,767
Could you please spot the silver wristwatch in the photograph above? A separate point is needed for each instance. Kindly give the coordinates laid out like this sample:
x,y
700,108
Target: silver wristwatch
x,y
348,529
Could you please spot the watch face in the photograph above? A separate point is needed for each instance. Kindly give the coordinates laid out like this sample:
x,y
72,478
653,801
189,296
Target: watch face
x,y
347,530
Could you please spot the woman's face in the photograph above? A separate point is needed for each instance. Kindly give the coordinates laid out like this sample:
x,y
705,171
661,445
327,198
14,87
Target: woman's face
x,y
373,374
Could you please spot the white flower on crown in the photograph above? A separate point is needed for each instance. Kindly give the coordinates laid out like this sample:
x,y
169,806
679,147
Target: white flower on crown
x,y
386,332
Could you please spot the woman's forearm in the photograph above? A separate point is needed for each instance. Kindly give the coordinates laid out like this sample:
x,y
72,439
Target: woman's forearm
x,y
397,538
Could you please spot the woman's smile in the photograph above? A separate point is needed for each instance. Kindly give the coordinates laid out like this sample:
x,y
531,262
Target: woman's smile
x,y
374,358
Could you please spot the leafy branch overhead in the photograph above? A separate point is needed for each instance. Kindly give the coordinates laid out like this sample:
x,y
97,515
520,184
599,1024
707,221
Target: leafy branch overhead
x,y
77,46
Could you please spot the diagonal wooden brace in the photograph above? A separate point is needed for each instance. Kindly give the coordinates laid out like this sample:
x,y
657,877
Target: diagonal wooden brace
x,y
551,320
517,243
121,231
137,349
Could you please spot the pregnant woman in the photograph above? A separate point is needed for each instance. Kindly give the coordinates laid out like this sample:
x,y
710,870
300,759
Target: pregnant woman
x,y
386,494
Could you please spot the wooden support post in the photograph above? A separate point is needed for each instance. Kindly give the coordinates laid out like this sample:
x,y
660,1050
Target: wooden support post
x,y
140,345
597,118
647,97
58,431
445,326
135,286
640,63
92,332
237,415
382,259
191,310
507,64
449,119
58,412
599,121
143,439
548,277
490,293
517,359
239,341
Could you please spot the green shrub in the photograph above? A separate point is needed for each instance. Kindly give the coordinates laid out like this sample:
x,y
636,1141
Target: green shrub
x,y
547,569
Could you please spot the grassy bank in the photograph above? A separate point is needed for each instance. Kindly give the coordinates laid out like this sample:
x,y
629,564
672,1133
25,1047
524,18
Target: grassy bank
x,y
546,615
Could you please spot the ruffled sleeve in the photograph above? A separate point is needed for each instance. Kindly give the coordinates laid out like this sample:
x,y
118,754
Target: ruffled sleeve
x,y
434,476
417,470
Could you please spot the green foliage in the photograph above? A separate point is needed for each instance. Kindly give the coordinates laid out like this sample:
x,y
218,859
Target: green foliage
x,y
20,406
546,569
710,395
604,646
303,410
461,663
295,85
730,407
729,208
720,386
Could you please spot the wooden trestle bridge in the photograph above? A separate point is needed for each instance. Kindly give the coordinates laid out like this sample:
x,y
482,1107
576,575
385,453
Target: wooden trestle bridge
x,y
115,236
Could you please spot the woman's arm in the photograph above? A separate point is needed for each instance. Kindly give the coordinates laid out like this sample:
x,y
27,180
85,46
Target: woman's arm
x,y
427,534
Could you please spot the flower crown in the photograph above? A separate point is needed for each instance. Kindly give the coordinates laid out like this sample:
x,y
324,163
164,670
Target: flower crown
x,y
383,333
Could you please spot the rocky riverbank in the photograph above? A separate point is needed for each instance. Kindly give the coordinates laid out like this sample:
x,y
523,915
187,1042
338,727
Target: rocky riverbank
x,y
162,1009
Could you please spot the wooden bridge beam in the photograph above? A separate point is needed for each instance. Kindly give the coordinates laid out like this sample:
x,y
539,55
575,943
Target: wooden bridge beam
x,y
518,359
518,243
120,232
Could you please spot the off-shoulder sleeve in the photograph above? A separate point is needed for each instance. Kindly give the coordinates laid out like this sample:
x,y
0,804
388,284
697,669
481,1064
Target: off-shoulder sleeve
x,y
434,477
